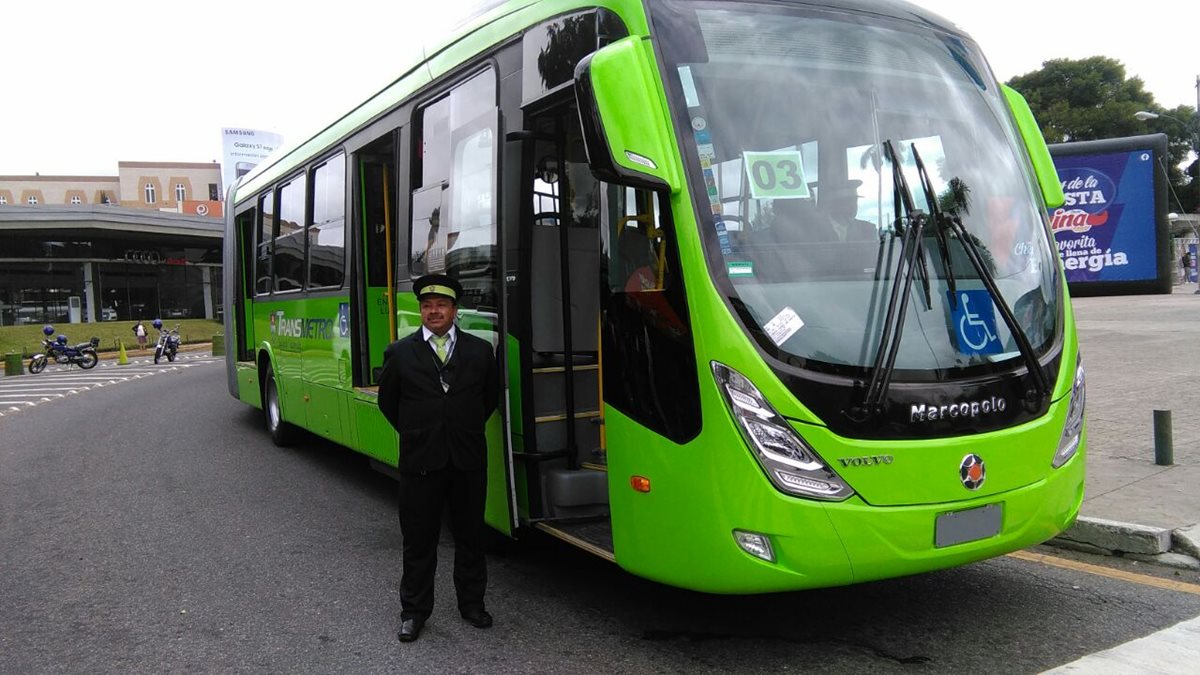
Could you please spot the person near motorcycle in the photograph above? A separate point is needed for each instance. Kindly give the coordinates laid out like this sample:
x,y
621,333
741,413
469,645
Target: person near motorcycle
x,y
140,331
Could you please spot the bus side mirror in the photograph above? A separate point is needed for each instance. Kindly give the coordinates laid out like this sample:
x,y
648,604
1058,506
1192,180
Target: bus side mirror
x,y
1035,144
626,128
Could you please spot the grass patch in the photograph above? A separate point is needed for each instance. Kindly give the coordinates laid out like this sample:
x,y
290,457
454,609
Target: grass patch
x,y
27,340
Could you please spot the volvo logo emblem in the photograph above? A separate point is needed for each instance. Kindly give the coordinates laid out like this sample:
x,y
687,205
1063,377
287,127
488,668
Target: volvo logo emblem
x,y
870,460
972,472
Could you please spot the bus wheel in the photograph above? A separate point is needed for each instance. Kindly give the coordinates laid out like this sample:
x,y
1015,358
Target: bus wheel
x,y
282,433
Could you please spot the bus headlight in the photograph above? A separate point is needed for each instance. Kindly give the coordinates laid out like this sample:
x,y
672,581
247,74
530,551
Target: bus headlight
x,y
1072,433
791,465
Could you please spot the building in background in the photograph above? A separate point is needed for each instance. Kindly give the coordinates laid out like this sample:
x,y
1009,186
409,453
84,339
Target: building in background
x,y
143,244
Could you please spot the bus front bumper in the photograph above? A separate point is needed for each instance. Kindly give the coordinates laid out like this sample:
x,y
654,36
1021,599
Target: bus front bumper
x,y
884,542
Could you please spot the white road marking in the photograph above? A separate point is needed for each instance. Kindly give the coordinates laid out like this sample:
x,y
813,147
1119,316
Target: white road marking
x,y
23,391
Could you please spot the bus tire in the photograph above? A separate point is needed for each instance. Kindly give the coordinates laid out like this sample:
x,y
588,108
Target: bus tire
x,y
282,433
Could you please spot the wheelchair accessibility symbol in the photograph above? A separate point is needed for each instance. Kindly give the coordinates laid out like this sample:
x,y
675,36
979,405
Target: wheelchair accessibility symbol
x,y
975,323
344,319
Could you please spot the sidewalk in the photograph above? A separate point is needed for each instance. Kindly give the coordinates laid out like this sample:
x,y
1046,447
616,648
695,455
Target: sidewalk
x,y
1141,353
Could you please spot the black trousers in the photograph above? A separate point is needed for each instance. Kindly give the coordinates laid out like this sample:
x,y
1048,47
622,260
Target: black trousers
x,y
423,497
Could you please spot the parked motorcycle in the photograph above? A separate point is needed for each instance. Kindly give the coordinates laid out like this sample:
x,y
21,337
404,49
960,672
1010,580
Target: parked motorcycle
x,y
82,355
168,341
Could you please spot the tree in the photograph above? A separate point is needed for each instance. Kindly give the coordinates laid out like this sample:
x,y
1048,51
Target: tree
x,y
1181,126
1091,99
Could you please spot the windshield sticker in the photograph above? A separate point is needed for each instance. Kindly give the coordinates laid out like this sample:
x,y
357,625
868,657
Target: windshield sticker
x,y
707,152
776,175
974,317
689,86
722,235
740,268
783,326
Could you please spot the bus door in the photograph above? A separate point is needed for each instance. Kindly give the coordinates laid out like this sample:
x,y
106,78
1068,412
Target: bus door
x,y
375,309
566,454
453,230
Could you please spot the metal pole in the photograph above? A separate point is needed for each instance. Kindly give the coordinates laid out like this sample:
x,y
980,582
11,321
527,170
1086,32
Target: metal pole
x,y
1196,149
1164,452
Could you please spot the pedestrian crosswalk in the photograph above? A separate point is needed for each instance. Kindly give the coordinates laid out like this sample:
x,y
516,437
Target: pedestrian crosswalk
x,y
21,392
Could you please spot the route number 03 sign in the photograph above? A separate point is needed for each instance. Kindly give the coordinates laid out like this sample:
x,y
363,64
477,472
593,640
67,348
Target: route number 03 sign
x,y
778,174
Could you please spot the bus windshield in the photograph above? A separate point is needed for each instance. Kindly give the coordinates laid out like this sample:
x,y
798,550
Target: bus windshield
x,y
790,110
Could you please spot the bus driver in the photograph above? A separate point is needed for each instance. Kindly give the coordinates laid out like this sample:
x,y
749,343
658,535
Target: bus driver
x,y
437,390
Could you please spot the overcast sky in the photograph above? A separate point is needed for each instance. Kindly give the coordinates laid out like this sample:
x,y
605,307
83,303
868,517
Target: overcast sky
x,y
87,85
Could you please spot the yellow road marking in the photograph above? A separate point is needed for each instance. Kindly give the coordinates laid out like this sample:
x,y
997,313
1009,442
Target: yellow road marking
x,y
1145,580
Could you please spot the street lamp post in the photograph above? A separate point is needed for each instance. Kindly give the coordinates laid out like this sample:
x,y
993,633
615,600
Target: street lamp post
x,y
1193,133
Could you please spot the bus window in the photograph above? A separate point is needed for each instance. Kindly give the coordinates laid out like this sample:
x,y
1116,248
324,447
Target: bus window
x,y
427,255
327,232
649,358
550,51
636,262
453,211
266,237
246,227
288,265
471,230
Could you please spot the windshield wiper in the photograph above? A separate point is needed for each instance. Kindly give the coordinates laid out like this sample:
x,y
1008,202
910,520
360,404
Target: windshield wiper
x,y
939,224
954,224
907,268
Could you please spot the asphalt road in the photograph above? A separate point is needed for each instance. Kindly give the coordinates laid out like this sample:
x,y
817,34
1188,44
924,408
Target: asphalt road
x,y
151,526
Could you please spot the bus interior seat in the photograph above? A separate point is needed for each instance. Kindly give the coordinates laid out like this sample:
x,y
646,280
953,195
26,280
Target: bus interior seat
x,y
576,493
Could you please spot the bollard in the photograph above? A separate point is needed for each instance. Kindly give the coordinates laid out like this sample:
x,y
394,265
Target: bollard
x,y
218,345
1164,451
13,365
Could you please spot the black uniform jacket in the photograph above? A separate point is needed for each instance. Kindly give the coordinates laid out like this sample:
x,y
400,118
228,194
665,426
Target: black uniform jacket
x,y
439,427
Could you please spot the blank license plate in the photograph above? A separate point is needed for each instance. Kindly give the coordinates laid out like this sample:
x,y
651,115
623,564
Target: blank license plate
x,y
958,527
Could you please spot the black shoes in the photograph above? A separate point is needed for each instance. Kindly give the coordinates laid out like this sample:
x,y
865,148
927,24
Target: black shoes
x,y
477,617
410,629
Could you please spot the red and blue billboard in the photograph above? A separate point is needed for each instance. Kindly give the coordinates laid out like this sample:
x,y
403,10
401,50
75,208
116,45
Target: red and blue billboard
x,y
1112,232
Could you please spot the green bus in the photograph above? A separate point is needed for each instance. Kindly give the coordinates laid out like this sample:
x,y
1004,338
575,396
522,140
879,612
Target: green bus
x,y
771,284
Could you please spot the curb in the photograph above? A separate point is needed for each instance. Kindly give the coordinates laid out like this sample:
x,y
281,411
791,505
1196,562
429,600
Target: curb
x,y
189,347
1179,548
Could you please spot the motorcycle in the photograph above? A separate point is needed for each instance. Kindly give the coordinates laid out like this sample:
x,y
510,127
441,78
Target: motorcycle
x,y
168,342
83,354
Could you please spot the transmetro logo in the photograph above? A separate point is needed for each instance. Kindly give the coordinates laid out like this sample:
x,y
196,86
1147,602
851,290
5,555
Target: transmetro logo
x,y
298,327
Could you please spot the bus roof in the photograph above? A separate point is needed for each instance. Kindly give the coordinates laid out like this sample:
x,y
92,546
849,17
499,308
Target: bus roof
x,y
489,22
435,58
